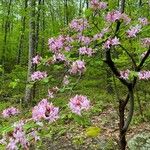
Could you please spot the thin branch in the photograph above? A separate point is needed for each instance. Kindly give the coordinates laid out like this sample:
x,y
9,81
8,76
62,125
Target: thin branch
x,y
131,110
114,69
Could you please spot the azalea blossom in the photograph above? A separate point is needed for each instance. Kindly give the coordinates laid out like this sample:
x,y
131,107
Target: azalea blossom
x,y
79,103
84,50
113,16
36,59
95,4
79,24
143,21
10,112
77,67
111,42
38,75
65,80
59,57
50,94
146,42
125,74
56,44
144,75
133,31
45,110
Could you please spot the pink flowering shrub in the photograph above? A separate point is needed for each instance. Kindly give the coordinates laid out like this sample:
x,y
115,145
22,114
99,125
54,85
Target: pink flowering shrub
x,y
10,112
86,37
79,103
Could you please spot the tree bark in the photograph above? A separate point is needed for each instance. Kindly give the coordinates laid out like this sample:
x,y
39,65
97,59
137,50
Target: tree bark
x,y
28,89
20,47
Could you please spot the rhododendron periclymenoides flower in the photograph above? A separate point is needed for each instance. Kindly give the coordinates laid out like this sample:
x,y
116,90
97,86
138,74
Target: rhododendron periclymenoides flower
x,y
45,110
36,59
18,138
10,112
77,67
79,103
79,24
95,4
38,75
111,42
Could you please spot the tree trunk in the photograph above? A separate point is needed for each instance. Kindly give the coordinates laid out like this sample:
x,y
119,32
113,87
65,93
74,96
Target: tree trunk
x,y
7,24
20,48
31,50
36,42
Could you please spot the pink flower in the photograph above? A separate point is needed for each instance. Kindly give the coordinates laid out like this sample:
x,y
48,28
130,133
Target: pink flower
x,y
77,67
125,18
84,50
55,45
79,103
133,31
59,57
12,145
113,16
65,80
10,112
84,40
95,4
50,94
38,75
36,59
143,21
101,34
125,74
144,75
146,42
79,24
45,110
111,42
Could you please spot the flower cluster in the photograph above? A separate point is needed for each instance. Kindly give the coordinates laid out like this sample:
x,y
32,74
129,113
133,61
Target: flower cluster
x,y
144,75
18,137
79,24
111,42
66,80
77,67
125,74
45,110
38,75
10,112
143,21
84,40
101,34
95,4
59,57
133,31
56,44
84,50
36,59
146,42
79,103
115,15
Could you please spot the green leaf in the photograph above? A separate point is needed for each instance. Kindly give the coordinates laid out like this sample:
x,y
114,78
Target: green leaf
x,y
93,131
